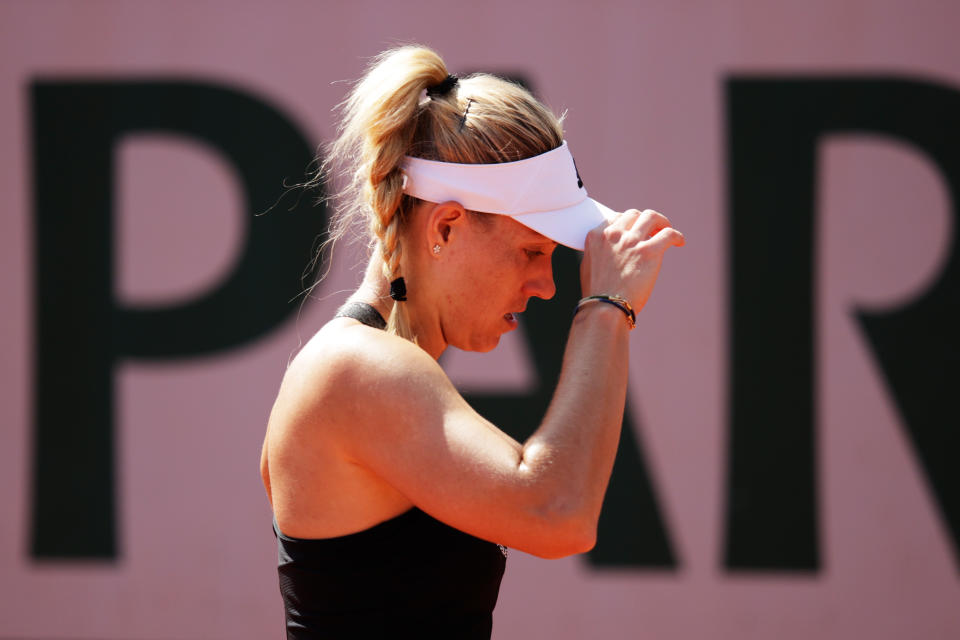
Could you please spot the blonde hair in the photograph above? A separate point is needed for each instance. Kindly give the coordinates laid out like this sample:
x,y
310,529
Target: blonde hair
x,y
481,120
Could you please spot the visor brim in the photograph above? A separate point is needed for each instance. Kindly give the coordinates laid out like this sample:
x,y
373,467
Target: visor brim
x,y
568,226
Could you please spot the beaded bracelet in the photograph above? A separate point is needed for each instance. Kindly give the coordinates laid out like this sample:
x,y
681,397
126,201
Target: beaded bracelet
x,y
618,301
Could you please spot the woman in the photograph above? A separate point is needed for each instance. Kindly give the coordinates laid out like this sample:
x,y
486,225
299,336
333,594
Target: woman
x,y
394,501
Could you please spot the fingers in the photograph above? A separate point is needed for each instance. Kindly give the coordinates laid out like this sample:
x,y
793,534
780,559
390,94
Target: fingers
x,y
614,228
643,226
623,222
649,222
646,222
665,238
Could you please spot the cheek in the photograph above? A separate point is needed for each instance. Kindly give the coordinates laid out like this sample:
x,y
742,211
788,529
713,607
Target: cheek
x,y
501,276
483,290
465,287
487,273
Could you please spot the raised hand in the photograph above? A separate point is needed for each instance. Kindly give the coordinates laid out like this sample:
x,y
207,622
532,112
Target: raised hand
x,y
623,257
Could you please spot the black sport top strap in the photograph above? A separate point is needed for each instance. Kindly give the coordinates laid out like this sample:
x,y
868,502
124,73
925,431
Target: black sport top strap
x,y
363,312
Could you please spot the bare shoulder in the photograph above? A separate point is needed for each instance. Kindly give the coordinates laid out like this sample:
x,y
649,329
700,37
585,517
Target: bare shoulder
x,y
338,400
348,374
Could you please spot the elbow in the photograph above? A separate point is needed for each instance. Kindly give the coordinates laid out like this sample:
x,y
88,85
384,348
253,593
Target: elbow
x,y
566,544
566,548
561,514
566,533
587,540
579,539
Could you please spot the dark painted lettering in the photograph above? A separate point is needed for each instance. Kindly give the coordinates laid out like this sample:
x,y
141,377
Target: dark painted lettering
x,y
774,125
81,331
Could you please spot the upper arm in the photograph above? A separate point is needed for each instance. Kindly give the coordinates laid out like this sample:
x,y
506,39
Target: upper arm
x,y
393,411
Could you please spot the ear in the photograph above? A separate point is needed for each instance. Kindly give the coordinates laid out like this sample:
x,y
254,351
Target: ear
x,y
443,222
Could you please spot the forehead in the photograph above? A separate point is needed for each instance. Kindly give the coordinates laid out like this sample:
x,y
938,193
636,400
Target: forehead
x,y
518,232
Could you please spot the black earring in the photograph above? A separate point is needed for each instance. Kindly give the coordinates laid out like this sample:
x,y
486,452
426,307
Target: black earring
x,y
398,290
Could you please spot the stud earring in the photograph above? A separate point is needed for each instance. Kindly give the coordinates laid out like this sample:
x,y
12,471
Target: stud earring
x,y
436,249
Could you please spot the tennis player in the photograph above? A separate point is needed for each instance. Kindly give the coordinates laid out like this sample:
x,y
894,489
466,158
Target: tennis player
x,y
394,502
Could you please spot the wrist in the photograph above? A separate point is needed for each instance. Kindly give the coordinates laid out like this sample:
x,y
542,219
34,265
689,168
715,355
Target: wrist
x,y
610,303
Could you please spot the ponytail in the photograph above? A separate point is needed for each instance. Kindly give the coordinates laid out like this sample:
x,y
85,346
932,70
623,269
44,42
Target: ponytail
x,y
379,121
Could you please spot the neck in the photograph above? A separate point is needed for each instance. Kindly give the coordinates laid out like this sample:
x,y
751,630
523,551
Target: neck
x,y
375,291
425,322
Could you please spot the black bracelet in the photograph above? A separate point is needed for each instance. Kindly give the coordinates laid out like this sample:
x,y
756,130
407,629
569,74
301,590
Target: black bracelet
x,y
618,301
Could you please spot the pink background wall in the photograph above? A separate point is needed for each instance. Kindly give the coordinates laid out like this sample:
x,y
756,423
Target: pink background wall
x,y
642,84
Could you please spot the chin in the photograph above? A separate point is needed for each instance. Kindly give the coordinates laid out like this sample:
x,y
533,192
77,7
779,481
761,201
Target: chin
x,y
488,347
482,345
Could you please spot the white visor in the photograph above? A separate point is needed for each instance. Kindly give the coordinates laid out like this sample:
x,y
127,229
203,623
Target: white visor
x,y
544,192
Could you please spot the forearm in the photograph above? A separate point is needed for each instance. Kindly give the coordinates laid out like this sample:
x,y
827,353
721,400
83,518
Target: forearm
x,y
570,456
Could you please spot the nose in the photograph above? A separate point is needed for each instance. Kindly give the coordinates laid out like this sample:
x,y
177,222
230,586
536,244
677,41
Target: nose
x,y
540,283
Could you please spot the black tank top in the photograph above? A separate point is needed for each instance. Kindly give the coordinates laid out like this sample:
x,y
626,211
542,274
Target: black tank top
x,y
409,577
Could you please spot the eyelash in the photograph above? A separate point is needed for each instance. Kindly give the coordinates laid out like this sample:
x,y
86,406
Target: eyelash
x,y
533,254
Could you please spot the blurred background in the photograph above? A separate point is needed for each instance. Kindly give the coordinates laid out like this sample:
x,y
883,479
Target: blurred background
x,y
787,468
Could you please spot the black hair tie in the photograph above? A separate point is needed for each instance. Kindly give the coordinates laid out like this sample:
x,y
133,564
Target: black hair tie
x,y
444,87
398,290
